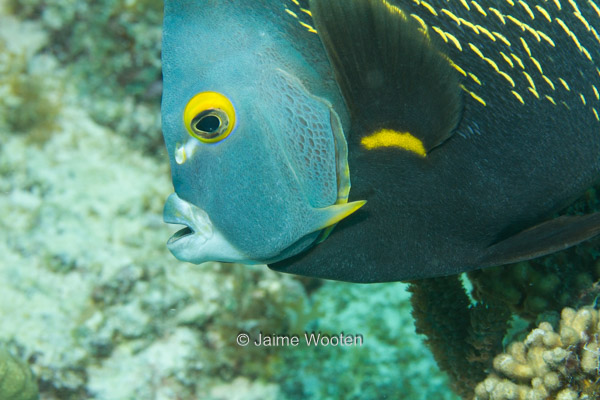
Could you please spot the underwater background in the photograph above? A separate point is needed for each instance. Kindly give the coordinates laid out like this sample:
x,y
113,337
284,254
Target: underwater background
x,y
93,306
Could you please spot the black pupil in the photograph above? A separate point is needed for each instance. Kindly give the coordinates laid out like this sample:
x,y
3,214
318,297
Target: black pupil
x,y
209,124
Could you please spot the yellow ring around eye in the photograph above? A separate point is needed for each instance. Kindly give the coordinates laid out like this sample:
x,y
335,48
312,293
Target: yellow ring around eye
x,y
213,105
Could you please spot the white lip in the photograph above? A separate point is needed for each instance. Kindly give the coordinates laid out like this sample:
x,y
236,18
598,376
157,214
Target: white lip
x,y
200,241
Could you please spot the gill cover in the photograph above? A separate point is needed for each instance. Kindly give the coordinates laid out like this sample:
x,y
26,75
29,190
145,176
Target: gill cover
x,y
258,160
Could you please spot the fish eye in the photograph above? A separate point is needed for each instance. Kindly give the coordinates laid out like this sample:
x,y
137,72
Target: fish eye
x,y
209,117
210,124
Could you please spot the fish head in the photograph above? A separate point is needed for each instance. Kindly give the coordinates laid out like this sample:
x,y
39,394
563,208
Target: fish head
x,y
258,163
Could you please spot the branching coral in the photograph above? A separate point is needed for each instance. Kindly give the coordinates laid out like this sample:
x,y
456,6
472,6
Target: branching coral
x,y
16,379
562,365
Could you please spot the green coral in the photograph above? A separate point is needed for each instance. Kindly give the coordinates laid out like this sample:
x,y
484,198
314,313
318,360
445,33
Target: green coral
x,y
16,380
562,364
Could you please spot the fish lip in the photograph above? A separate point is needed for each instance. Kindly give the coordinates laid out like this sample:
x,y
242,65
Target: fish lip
x,y
197,224
180,234
199,241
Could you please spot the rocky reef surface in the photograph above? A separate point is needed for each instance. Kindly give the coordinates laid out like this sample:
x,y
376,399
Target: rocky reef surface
x,y
90,299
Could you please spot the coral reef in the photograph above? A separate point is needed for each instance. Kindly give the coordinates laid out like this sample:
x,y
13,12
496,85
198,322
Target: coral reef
x,y
542,285
88,291
112,49
562,364
16,380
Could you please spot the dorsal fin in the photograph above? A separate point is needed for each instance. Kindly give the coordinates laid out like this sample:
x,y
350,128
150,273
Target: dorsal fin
x,y
390,72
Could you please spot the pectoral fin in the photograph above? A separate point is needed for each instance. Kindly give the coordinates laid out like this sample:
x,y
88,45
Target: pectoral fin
x,y
545,238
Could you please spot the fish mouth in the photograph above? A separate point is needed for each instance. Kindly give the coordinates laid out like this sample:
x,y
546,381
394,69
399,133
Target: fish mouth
x,y
196,221
199,241
180,234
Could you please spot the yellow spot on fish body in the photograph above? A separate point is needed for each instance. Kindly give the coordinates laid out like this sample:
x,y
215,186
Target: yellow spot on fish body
x,y
498,14
533,32
550,99
475,78
451,15
518,60
507,59
512,3
516,22
596,92
304,10
465,5
527,9
587,54
476,50
492,64
596,114
582,97
454,40
440,32
546,38
537,64
456,67
470,25
307,26
574,5
502,38
565,84
548,81
479,8
525,46
391,138
293,14
557,3
473,95
596,35
543,11
420,21
518,96
395,10
583,20
535,93
573,37
507,77
595,7
528,77
429,8
486,32
296,2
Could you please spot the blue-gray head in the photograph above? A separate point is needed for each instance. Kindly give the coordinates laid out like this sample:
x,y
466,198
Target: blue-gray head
x,y
258,157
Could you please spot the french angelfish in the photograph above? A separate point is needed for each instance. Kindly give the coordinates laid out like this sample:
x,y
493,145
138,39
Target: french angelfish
x,y
371,140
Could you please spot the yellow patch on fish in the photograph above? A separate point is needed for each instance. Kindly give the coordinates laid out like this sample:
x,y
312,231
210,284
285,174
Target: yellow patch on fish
x,y
391,138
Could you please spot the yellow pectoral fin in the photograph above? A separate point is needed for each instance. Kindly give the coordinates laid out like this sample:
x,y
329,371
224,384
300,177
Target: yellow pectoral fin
x,y
391,138
328,216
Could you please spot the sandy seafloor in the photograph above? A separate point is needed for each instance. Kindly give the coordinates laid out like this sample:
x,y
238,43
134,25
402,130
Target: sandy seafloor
x,y
92,300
